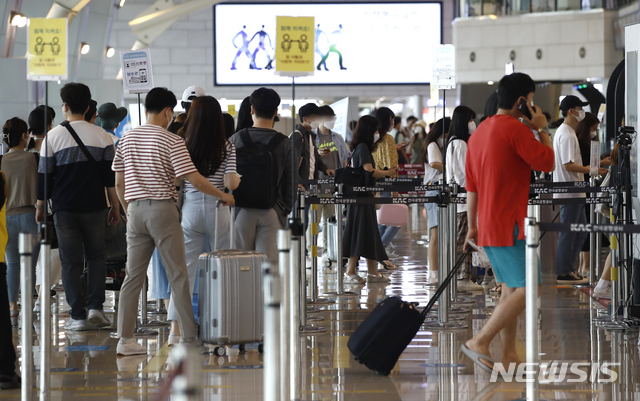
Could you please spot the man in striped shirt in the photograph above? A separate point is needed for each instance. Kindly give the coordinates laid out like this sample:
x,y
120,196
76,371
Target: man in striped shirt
x,y
147,162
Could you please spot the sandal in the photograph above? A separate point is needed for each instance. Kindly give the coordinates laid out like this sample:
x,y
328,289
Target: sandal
x,y
388,265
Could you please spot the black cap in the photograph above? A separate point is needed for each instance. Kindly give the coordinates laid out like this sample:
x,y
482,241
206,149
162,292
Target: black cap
x,y
569,102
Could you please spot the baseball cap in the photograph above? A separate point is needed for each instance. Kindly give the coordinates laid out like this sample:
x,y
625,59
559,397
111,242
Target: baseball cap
x,y
192,91
569,102
109,115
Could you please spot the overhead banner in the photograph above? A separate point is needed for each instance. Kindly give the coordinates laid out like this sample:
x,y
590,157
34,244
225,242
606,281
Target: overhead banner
x,y
47,49
444,67
136,71
295,42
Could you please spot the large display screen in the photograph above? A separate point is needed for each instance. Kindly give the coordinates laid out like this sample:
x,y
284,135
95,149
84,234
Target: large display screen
x,y
355,43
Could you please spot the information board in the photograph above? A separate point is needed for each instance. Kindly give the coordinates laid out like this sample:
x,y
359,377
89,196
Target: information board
x,y
136,71
47,50
444,67
295,37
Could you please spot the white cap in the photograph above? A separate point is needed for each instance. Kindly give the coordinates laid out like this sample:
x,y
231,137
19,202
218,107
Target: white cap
x,y
192,91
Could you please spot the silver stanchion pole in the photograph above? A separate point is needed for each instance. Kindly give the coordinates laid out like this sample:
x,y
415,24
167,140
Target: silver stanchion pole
x,y
284,246
26,291
533,356
593,248
144,323
340,292
271,358
302,281
294,328
45,322
453,242
313,280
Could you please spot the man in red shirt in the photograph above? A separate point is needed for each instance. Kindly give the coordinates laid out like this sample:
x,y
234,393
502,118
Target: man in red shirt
x,y
502,152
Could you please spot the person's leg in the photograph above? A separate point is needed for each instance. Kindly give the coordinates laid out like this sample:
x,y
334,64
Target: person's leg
x,y
352,265
432,253
12,257
93,228
267,234
169,239
140,247
28,221
605,277
389,234
327,212
382,229
7,352
371,267
580,238
160,288
246,229
508,334
566,240
71,244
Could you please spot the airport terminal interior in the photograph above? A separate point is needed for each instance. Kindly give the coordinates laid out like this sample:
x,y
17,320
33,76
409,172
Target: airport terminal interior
x,y
317,322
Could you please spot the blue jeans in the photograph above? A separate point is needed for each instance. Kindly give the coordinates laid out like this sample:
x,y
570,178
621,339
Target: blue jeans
x,y
160,288
387,233
16,224
570,243
81,240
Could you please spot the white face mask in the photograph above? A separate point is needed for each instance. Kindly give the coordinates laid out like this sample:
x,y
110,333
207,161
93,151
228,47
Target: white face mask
x,y
329,124
594,134
440,141
472,127
418,130
376,137
315,124
581,115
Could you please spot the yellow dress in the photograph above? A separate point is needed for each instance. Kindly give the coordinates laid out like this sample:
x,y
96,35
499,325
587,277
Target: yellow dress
x,y
386,154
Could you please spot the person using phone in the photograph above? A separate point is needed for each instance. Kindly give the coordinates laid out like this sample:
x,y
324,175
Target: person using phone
x,y
569,168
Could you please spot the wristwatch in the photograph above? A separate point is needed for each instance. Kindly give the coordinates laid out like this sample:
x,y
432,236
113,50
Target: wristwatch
x,y
544,129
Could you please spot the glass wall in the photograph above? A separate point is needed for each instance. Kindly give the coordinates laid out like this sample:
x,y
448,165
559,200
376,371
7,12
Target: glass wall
x,y
476,8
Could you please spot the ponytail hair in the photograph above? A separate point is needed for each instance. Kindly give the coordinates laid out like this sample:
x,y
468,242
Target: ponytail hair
x,y
13,130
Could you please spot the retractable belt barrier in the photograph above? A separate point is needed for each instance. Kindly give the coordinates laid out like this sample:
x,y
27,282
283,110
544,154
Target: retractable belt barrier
x,y
590,228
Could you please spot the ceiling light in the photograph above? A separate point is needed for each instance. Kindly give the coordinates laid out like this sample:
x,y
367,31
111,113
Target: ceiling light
x,y
121,3
18,20
84,48
490,82
588,79
110,51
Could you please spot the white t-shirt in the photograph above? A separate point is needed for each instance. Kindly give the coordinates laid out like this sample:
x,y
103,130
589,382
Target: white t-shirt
x,y
434,155
566,149
456,156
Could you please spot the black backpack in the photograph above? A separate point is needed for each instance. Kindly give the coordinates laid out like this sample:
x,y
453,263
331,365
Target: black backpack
x,y
258,166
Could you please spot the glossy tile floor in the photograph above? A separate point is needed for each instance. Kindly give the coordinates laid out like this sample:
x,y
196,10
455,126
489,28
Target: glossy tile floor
x,y
84,364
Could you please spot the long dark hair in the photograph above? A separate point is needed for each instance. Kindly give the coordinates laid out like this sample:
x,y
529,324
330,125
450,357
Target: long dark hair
x,y
13,130
244,115
364,131
583,132
460,123
204,132
384,116
433,135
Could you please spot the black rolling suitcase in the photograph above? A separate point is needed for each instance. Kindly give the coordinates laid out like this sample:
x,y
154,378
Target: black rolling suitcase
x,y
382,337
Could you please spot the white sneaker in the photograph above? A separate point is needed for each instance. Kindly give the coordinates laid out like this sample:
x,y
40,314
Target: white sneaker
x,y
433,278
174,339
605,293
377,278
468,285
353,279
128,346
36,306
98,318
77,325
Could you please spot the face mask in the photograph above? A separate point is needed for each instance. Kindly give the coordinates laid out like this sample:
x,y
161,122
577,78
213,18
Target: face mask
x,y
440,141
315,124
418,130
376,137
329,124
472,127
170,119
581,115
594,134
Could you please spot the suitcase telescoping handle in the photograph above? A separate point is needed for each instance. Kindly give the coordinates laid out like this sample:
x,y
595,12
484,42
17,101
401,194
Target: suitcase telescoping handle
x,y
444,285
232,227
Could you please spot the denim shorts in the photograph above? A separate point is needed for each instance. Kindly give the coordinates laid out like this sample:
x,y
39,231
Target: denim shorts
x,y
509,262
432,211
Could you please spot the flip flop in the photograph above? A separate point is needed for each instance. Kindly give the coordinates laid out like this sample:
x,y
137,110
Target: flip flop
x,y
476,358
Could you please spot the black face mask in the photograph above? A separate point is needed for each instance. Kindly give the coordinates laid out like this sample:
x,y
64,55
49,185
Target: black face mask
x,y
31,144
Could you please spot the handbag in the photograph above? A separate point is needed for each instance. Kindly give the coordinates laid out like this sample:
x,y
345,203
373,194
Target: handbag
x,y
354,177
393,215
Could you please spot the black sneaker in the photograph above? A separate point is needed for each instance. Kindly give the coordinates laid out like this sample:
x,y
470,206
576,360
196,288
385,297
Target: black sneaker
x,y
572,278
10,381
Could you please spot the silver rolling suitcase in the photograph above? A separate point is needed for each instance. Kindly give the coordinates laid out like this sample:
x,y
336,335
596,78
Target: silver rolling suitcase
x,y
230,296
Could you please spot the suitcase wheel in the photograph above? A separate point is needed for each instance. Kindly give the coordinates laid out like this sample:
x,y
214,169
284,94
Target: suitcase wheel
x,y
328,263
242,348
261,348
220,351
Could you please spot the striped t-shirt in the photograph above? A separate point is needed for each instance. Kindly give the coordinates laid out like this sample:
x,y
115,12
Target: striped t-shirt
x,y
228,166
151,158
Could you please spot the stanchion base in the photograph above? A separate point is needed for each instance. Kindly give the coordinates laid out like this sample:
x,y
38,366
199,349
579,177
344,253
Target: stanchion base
x,y
437,326
459,311
153,323
311,330
344,294
315,318
464,293
142,332
602,319
434,318
160,311
463,301
313,310
319,301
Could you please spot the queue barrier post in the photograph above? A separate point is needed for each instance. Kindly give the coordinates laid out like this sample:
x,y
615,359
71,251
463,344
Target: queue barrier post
x,y
284,248
26,290
593,246
271,359
531,301
297,232
45,319
313,280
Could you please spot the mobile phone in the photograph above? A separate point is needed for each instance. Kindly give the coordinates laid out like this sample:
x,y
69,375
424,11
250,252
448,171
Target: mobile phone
x,y
524,109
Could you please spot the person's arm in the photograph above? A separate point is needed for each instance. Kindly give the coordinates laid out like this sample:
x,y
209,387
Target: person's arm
x,y
286,184
231,181
114,212
539,155
203,185
436,165
380,173
472,219
575,168
119,189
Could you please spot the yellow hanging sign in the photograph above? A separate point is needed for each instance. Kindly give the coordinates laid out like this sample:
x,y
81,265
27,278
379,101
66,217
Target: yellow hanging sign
x,y
295,42
47,51
231,109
